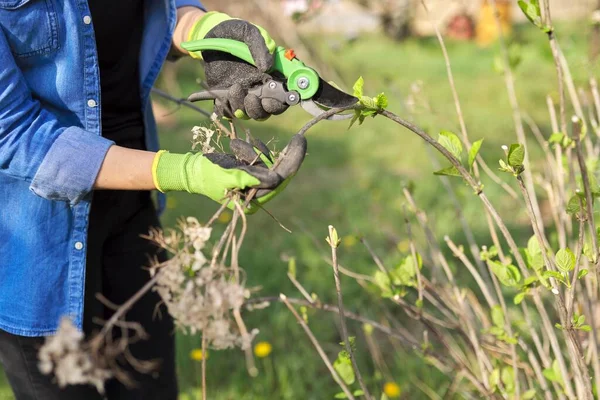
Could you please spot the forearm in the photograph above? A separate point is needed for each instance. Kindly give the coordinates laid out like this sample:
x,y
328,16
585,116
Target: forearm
x,y
126,169
186,18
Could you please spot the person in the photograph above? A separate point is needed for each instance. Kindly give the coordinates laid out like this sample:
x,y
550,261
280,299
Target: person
x,y
78,159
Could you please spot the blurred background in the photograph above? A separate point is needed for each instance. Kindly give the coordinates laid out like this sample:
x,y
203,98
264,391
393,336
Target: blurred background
x,y
353,179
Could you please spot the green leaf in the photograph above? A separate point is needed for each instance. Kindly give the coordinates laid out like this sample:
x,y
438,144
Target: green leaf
x,y
451,142
580,320
585,328
519,298
488,253
558,326
448,171
528,395
368,102
534,254
553,374
516,155
304,313
382,280
532,12
533,246
574,205
503,166
354,118
508,379
530,280
358,392
552,274
582,273
405,273
333,239
358,87
508,275
565,260
340,395
344,369
473,151
292,267
556,138
381,101
594,187
496,331
494,378
498,317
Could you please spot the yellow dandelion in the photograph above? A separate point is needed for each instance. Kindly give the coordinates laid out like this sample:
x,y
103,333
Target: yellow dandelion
x,y
263,349
392,390
349,241
197,355
225,217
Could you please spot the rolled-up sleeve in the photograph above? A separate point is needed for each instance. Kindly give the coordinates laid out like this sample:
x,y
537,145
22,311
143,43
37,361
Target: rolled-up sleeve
x,y
60,162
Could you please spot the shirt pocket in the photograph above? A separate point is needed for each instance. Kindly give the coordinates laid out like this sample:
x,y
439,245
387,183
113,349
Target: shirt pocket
x,y
30,26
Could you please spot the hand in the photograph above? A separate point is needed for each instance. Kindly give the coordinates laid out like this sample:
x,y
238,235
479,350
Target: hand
x,y
216,174
224,71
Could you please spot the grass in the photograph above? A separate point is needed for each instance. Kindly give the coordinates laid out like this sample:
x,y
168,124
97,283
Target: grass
x,y
352,179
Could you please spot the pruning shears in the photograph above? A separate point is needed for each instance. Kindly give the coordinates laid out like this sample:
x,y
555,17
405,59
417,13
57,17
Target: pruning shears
x,y
302,84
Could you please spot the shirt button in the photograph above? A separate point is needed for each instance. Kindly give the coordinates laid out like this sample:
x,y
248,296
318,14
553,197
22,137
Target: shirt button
x,y
91,103
87,20
78,245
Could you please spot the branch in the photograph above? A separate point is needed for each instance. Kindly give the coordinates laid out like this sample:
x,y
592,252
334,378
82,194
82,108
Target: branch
x,y
181,102
318,347
344,328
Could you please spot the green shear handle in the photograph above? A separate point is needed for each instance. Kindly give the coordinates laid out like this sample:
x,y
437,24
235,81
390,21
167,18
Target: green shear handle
x,y
300,78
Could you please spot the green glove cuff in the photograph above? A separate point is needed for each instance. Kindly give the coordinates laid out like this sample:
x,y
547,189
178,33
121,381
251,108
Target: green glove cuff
x,y
194,173
214,18
169,171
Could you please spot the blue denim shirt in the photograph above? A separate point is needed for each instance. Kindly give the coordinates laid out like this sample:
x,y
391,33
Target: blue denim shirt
x,y
51,150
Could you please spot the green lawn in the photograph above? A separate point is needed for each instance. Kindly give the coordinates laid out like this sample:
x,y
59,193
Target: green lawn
x,y
353,179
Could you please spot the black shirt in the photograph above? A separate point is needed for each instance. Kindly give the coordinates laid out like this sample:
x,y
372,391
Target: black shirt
x,y
118,26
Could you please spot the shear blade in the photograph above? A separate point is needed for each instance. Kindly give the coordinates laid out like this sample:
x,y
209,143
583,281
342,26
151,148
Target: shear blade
x,y
314,109
331,97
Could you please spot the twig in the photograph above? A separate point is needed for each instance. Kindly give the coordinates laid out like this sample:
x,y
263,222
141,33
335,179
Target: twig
x,y
405,338
344,328
586,188
461,255
323,116
181,102
578,251
300,288
413,253
126,306
518,122
318,347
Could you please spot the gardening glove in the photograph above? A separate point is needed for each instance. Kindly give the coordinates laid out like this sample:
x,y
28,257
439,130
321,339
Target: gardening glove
x,y
224,71
215,174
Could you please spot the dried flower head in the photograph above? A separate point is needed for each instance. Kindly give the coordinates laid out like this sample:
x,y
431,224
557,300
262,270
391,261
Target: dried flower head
x,y
67,356
200,297
202,138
